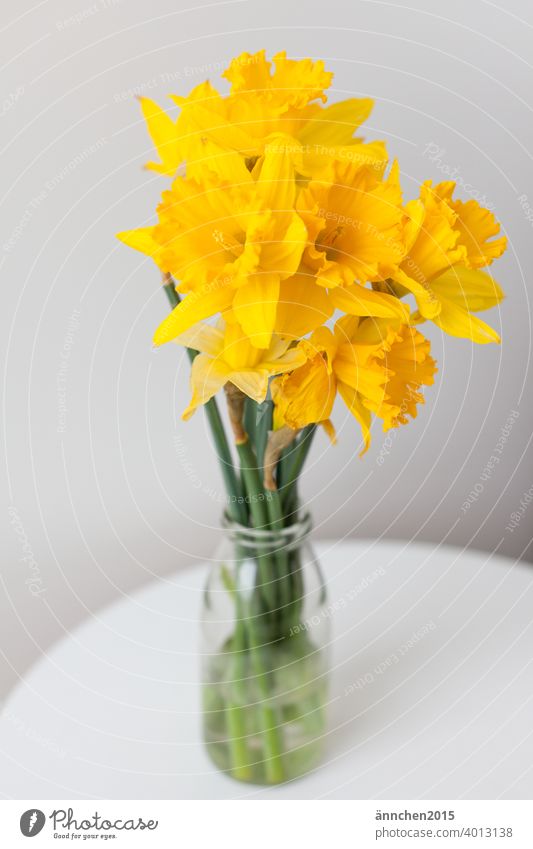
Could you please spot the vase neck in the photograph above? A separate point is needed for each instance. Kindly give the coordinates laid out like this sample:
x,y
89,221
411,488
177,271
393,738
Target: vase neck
x,y
292,536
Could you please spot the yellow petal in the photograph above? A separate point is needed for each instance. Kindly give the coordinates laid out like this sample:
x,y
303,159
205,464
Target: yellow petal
x,y
281,243
302,307
203,111
336,124
202,337
141,240
410,367
330,431
358,411
322,341
298,81
426,299
476,226
253,383
346,328
194,308
432,241
469,288
239,352
276,186
367,379
356,300
207,377
162,131
304,396
290,360
319,162
457,321
249,71
254,307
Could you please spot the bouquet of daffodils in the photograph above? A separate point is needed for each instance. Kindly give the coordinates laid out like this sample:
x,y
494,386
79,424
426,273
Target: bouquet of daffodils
x,y
297,273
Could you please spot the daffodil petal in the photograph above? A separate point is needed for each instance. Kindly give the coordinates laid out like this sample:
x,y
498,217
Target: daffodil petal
x,y
346,328
476,226
356,300
202,337
457,321
162,130
254,384
254,307
194,308
469,288
358,411
324,341
335,124
302,307
276,185
292,359
282,252
330,431
141,239
207,377
426,299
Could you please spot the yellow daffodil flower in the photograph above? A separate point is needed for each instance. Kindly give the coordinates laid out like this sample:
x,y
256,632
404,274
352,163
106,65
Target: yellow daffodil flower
x,y
292,85
357,221
442,252
277,217
408,363
354,227
266,102
375,367
262,102
227,356
476,226
230,245
200,138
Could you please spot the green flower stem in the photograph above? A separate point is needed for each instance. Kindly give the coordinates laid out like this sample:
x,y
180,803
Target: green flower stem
x,y
275,513
273,750
247,637
240,757
250,418
260,519
259,509
236,710
263,425
254,487
266,512
236,505
272,738
297,587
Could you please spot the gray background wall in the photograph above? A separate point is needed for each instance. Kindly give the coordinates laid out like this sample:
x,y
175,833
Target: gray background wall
x,y
104,487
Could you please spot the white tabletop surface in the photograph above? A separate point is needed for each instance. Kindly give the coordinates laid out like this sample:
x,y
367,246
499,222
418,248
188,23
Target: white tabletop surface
x,y
431,694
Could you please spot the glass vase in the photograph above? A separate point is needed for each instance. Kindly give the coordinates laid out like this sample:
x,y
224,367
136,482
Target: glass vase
x,y
265,636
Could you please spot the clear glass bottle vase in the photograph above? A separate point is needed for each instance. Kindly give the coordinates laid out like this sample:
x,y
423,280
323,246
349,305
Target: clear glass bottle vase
x,y
265,636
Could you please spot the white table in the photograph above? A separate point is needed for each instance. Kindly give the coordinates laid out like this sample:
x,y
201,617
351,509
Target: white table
x,y
431,696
